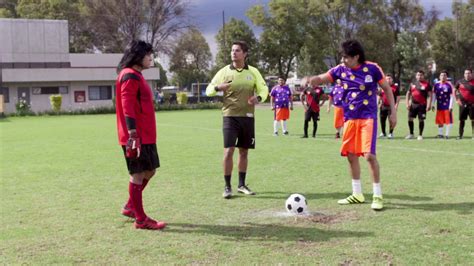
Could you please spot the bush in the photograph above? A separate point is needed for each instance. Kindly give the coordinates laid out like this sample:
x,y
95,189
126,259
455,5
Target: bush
x,y
182,97
22,107
56,102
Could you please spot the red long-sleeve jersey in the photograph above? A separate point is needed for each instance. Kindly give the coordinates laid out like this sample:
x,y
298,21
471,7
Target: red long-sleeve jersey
x,y
134,105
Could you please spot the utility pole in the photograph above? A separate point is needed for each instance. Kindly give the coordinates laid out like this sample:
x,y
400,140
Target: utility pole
x,y
223,30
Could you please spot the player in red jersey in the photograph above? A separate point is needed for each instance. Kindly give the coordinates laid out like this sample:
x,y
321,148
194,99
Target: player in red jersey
x,y
136,126
465,100
310,98
418,101
385,106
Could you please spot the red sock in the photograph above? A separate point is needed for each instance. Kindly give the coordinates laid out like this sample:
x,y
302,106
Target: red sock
x,y
135,192
129,204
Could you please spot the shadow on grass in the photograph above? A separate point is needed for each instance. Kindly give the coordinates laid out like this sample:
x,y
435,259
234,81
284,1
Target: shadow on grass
x,y
335,195
461,207
264,232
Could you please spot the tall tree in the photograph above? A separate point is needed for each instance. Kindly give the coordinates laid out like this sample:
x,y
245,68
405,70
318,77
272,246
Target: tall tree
x,y
234,30
114,23
191,58
8,9
283,36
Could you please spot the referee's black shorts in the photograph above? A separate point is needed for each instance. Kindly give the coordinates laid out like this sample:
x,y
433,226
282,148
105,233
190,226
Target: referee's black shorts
x,y
148,160
417,109
239,132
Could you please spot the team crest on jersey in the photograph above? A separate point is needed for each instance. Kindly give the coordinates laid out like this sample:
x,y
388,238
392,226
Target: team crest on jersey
x,y
368,79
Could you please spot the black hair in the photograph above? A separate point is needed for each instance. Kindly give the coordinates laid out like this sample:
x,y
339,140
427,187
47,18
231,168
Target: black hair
x,y
282,77
444,71
353,48
243,45
389,75
468,69
421,71
134,53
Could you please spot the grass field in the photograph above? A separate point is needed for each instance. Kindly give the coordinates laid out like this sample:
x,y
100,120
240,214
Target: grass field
x,y
64,181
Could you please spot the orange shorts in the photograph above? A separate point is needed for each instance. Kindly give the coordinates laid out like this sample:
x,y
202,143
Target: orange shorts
x,y
338,117
359,137
282,114
444,117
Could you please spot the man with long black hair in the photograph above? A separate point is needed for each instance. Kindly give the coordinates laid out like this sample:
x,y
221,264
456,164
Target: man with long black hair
x,y
136,126
360,79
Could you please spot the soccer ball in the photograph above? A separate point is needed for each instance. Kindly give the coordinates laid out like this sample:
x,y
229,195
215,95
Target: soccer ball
x,y
296,204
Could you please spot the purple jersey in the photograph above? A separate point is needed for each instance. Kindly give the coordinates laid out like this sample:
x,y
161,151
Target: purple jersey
x,y
359,98
443,92
336,95
281,96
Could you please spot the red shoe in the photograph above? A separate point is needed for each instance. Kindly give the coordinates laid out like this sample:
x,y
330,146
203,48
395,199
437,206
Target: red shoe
x,y
128,212
150,224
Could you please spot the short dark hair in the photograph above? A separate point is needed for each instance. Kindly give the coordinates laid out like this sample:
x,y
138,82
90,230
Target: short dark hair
x,y
282,77
468,69
353,48
421,71
134,53
444,71
243,45
389,75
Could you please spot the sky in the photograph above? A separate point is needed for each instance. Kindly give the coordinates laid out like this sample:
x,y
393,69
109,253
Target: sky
x,y
207,14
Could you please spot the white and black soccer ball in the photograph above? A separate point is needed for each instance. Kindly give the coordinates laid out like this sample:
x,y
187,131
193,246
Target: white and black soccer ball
x,y
296,204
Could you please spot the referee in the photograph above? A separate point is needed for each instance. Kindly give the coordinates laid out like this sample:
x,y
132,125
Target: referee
x,y
243,87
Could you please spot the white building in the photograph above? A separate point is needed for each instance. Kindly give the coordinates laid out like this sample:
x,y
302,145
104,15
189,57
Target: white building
x,y
35,63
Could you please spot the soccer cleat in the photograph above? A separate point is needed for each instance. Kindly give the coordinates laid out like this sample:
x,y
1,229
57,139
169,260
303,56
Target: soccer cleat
x,y
338,136
352,199
446,137
286,133
390,136
227,193
275,134
246,190
381,136
128,212
420,137
377,203
304,137
410,136
440,137
459,138
150,224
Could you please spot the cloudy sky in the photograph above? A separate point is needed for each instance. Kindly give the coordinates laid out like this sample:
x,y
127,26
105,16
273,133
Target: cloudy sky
x,y
207,14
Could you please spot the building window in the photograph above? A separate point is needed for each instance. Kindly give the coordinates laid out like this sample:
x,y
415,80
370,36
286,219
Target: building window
x,y
6,94
50,90
100,93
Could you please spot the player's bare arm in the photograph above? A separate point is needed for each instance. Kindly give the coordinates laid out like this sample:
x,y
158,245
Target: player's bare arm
x,y
407,99
389,94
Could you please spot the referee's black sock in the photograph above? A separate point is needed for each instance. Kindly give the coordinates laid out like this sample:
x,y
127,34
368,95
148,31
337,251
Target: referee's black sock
x,y
242,176
227,180
411,125
383,119
422,126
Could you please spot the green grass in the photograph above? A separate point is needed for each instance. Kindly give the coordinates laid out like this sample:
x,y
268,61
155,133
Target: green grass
x,y
64,181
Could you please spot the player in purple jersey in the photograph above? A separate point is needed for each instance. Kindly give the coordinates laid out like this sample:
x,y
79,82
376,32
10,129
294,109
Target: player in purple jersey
x,y
360,80
281,101
444,97
335,100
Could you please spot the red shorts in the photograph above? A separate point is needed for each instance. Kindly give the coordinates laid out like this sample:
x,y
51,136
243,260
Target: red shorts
x,y
444,117
338,117
359,137
282,114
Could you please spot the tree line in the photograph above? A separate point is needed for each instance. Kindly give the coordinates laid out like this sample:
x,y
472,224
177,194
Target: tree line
x,y
298,36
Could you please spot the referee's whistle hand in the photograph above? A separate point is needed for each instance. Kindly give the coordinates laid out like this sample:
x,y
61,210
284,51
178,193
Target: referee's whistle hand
x,y
224,86
252,100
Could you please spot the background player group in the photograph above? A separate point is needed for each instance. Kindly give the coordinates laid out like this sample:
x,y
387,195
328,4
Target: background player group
x,y
243,87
